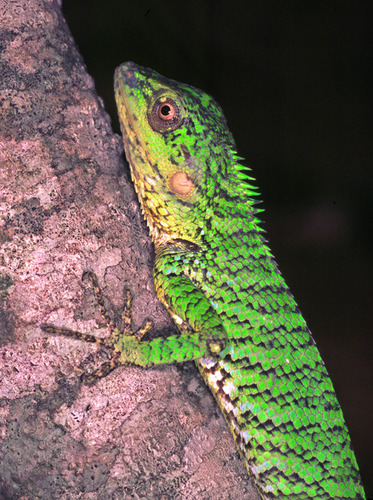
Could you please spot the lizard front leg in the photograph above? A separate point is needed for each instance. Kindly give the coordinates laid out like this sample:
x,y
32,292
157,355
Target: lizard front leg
x,y
129,348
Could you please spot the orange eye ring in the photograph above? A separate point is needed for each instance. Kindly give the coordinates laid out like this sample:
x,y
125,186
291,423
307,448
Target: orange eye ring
x,y
167,111
165,114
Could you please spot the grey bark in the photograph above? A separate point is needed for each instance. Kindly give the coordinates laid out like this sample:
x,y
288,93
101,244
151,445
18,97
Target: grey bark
x,y
66,206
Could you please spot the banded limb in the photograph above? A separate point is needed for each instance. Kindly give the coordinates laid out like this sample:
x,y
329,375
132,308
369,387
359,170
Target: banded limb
x,y
129,348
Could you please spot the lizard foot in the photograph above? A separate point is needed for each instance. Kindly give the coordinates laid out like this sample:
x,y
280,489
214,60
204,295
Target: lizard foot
x,y
116,334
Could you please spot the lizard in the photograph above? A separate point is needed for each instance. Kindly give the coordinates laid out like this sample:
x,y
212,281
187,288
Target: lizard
x,y
219,281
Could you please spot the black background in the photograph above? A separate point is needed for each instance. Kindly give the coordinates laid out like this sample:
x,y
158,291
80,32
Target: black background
x,y
295,82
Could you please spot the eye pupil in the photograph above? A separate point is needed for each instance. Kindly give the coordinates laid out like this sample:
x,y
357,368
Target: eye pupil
x,y
165,110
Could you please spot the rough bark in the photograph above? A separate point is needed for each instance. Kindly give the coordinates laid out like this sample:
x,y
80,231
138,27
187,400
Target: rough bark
x,y
67,206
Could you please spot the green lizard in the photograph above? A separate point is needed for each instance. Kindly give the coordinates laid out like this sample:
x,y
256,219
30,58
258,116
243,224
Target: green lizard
x,y
217,278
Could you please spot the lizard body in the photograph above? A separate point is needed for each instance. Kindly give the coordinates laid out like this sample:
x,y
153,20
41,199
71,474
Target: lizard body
x,y
217,278
269,379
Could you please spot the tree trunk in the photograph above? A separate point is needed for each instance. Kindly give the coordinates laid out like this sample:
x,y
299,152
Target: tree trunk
x,y
67,206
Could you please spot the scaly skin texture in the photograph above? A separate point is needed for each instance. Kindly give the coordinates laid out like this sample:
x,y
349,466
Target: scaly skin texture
x,y
213,271
217,278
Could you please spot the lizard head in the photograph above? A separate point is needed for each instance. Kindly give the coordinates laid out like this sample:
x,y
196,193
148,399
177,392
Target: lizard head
x,y
179,149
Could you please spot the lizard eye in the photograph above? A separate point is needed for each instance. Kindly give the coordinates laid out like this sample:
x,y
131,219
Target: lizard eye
x,y
165,114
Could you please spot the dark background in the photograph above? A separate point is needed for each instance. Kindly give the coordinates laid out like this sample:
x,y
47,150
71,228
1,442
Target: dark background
x,y
295,82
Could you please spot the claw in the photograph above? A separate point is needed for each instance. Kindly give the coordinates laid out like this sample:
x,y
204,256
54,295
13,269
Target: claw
x,y
100,300
148,325
126,314
102,371
86,337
